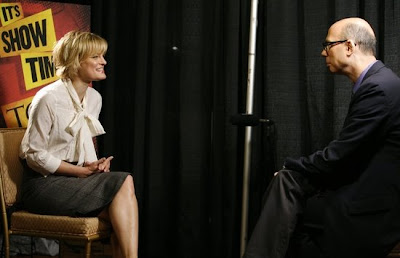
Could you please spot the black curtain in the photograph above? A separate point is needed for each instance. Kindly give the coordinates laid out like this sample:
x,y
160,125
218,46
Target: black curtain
x,y
173,67
177,71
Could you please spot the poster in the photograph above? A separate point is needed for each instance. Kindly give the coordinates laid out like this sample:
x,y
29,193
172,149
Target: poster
x,y
28,32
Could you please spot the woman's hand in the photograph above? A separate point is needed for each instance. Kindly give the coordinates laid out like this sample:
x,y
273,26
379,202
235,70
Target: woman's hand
x,y
104,166
88,169
99,166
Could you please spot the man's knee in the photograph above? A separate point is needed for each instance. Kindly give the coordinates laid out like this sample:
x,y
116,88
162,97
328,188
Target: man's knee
x,y
287,176
294,181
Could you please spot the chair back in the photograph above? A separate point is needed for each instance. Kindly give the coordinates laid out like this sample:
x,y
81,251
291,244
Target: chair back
x,y
11,168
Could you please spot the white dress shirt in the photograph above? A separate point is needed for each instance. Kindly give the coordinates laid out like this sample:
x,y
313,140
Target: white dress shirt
x,y
60,127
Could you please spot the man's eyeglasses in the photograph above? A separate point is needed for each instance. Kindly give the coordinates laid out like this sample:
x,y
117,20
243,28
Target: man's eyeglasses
x,y
328,45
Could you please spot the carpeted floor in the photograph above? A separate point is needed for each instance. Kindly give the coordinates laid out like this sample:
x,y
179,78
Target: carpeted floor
x,y
76,250
103,250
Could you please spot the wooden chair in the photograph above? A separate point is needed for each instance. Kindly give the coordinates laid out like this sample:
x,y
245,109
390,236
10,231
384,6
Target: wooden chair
x,y
19,222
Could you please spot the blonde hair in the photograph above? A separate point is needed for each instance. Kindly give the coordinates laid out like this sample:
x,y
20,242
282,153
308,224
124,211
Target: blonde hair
x,y
73,48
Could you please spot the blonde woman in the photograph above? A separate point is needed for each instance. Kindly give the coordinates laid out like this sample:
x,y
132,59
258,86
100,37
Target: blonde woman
x,y
63,175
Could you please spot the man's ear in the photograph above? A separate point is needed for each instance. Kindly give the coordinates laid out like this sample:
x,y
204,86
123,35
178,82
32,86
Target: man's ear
x,y
350,46
352,43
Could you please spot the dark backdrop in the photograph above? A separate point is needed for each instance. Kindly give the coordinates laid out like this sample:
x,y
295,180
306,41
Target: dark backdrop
x,y
177,71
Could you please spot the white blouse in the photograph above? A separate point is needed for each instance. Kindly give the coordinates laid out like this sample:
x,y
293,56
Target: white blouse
x,y
60,127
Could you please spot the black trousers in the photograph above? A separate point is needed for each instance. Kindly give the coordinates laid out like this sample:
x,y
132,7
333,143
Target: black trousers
x,y
278,232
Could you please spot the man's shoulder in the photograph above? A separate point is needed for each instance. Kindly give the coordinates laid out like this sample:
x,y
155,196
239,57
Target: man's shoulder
x,y
380,67
380,74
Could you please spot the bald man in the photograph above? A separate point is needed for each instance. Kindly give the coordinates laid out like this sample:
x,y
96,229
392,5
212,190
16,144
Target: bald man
x,y
342,201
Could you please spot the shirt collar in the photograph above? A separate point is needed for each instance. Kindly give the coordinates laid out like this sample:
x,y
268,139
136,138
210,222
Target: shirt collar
x,y
361,78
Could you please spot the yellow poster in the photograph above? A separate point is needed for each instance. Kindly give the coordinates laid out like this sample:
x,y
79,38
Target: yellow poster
x,y
28,32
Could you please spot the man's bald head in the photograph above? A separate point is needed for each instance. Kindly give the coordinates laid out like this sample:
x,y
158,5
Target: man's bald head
x,y
358,30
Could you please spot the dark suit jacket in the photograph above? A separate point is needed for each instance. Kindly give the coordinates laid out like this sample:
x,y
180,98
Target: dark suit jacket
x,y
360,214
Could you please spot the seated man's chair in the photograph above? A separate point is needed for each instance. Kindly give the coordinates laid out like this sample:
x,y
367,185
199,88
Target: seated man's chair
x,y
19,222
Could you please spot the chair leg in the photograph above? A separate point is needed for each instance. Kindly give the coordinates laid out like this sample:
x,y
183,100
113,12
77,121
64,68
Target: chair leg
x,y
6,240
88,247
31,247
2,247
60,242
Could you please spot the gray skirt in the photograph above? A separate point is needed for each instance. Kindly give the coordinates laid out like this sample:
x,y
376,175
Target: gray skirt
x,y
71,196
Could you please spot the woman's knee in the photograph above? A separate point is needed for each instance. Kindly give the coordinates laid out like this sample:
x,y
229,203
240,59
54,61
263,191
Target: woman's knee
x,y
128,185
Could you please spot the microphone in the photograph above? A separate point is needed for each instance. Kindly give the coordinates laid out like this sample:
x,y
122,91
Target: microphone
x,y
249,120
